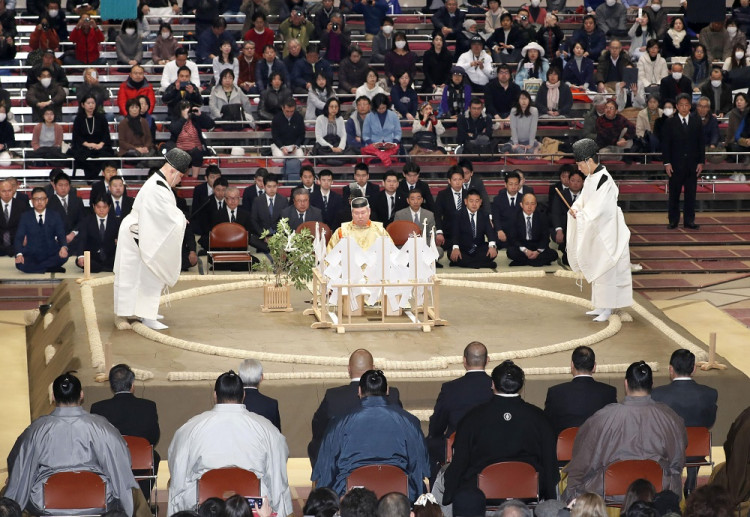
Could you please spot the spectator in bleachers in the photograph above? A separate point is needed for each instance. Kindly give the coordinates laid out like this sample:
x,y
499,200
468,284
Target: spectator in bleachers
x,y
352,71
164,9
134,135
7,135
477,65
657,17
40,239
736,117
507,41
675,83
274,97
287,131
305,70
404,98
226,94
134,86
698,67
296,27
614,133
47,138
7,50
592,115
436,66
250,8
399,59
381,131
736,35
322,17
252,192
370,88
98,236
667,111
210,41
610,70
186,133
611,17
718,92
551,37
267,67
652,68
716,40
226,60
676,41
171,69
128,44
528,30
56,17
710,124
248,65
591,37
318,94
448,20
91,137
165,46
492,17
374,13
537,14
103,187
336,39
647,117
44,37
426,131
524,117
579,70
145,105
355,123
206,12
475,130
641,34
382,42
259,33
295,53
35,7
741,13
86,37
181,90
46,92
463,38
554,98
533,65
81,7
330,130
7,20
58,72
738,59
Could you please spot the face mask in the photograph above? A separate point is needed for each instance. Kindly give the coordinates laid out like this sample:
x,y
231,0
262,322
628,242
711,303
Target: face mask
x,y
668,112
46,81
534,3
94,75
166,35
53,13
3,116
611,3
739,54
732,31
677,75
655,7
387,29
130,31
400,44
715,83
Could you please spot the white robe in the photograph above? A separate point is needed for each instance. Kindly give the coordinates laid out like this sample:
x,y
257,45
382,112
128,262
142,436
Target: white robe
x,y
597,243
228,436
143,268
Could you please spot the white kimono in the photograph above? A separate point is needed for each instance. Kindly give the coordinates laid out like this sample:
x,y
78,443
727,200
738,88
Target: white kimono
x,y
597,242
149,250
228,436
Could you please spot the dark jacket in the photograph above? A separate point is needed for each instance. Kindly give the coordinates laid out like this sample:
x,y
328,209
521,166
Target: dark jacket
x,y
132,416
564,105
569,404
442,18
469,128
499,100
261,72
172,97
605,64
288,131
725,99
351,75
202,122
262,405
436,68
572,75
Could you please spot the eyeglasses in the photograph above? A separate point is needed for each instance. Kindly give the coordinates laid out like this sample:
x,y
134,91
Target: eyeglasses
x,y
38,199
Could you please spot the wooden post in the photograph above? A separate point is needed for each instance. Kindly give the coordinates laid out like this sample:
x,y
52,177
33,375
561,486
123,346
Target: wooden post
x,y
86,265
711,364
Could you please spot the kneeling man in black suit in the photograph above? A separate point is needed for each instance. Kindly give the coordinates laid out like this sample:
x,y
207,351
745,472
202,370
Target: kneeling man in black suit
x,y
529,239
470,227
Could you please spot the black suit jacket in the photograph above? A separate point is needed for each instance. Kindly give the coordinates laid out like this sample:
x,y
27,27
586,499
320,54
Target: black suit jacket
x,y
683,148
17,208
240,217
569,404
503,215
89,239
262,405
462,234
337,402
200,195
126,205
379,206
371,190
41,242
248,196
72,219
670,89
312,214
261,219
558,210
456,398
99,190
694,402
428,201
335,205
477,184
539,231
445,213
132,416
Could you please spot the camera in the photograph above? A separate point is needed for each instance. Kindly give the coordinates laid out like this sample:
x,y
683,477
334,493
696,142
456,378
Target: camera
x,y
254,502
196,110
524,18
335,27
184,84
45,26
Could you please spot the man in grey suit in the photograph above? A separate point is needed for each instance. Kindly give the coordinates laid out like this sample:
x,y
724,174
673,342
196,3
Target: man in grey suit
x,y
415,213
266,212
301,211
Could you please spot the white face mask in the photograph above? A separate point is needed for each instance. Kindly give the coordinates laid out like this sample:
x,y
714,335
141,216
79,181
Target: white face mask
x,y
3,116
732,30
46,81
400,44
677,75
130,31
655,7
715,83
739,54
94,75
668,112
166,35
534,3
611,3
387,29
53,13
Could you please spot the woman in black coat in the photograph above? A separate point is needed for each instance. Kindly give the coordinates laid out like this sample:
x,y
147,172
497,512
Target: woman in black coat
x,y
436,65
90,138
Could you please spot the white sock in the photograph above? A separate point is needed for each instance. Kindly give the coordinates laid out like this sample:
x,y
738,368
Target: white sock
x,y
595,312
159,317
604,316
153,324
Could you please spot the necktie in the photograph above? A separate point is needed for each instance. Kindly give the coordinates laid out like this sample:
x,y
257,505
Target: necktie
x,y
416,218
101,228
684,122
391,202
270,206
411,187
574,197
221,205
466,186
458,200
65,204
232,219
513,201
528,228
41,221
301,217
473,226
118,210
325,202
7,212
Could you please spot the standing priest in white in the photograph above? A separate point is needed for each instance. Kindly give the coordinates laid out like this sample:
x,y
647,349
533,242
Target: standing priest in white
x,y
598,236
149,245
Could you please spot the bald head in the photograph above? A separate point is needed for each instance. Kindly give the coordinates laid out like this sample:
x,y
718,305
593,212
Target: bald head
x,y
359,362
475,356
